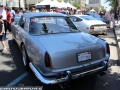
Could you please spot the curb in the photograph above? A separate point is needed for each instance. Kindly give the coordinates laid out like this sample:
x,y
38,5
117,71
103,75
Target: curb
x,y
117,37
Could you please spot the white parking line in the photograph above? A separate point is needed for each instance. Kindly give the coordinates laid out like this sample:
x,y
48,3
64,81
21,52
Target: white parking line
x,y
18,79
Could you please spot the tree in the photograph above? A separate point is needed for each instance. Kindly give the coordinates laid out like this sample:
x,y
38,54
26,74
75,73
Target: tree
x,y
59,0
91,8
66,0
114,5
76,4
103,9
96,9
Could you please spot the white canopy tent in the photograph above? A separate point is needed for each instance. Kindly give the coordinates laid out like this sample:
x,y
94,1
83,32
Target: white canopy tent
x,y
53,3
70,6
92,11
63,4
44,2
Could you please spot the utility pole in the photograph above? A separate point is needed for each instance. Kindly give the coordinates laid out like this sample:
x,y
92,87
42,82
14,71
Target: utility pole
x,y
19,4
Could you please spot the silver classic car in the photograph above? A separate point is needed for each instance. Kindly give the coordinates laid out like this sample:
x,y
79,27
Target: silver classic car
x,y
55,50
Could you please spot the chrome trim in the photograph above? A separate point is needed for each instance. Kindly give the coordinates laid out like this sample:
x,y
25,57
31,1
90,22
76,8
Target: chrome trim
x,y
46,80
83,73
65,78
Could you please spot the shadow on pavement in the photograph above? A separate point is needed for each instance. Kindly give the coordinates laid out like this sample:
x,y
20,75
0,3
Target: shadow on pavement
x,y
11,64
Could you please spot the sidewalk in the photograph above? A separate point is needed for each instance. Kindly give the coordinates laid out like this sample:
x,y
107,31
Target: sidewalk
x,y
117,35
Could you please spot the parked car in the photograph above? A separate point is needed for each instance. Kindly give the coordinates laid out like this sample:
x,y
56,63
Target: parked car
x,y
55,50
90,24
98,17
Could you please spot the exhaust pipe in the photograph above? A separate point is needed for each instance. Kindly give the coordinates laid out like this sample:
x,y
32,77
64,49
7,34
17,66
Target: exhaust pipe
x,y
106,64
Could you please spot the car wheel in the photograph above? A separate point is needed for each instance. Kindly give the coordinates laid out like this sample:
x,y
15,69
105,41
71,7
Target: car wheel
x,y
25,58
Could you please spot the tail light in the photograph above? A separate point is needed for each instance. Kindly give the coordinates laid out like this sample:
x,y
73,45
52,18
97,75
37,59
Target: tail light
x,y
108,27
92,28
108,48
47,60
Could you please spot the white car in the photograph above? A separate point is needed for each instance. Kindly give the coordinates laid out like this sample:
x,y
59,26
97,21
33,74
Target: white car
x,y
90,24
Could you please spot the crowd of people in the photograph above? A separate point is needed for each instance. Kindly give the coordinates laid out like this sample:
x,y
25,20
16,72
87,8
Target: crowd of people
x,y
7,17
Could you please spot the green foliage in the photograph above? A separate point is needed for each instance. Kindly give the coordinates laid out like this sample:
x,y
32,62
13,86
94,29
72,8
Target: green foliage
x,y
91,7
59,0
112,3
96,9
103,9
76,4
66,1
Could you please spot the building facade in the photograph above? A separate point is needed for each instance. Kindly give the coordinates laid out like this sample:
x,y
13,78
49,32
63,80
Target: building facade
x,y
94,3
82,4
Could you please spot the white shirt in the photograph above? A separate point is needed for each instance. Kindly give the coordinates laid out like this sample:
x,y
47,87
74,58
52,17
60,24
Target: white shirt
x,y
3,12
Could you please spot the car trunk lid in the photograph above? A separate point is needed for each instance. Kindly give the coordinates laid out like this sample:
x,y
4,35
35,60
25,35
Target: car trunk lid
x,y
64,49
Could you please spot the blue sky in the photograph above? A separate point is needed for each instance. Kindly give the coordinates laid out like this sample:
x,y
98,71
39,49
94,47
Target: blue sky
x,y
104,4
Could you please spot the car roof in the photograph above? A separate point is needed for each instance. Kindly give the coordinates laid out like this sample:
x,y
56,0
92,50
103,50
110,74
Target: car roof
x,y
79,15
36,14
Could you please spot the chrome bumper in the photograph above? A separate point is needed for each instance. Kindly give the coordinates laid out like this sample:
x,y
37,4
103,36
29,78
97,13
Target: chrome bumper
x,y
68,76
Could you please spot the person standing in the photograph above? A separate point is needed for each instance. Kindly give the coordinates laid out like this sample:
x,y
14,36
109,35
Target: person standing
x,y
108,17
8,20
2,35
4,17
12,12
112,18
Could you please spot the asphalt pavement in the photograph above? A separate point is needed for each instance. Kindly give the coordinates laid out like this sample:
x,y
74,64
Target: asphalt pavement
x,y
12,72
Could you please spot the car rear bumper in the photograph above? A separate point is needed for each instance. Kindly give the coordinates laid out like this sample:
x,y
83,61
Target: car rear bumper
x,y
68,76
98,32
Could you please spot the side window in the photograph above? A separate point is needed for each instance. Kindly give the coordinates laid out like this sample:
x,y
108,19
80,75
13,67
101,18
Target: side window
x,y
26,26
61,21
77,19
72,18
22,22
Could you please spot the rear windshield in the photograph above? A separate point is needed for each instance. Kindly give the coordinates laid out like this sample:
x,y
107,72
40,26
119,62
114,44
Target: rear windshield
x,y
88,17
49,25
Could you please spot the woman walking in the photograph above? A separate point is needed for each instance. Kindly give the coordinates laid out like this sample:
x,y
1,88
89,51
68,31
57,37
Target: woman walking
x,y
2,35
